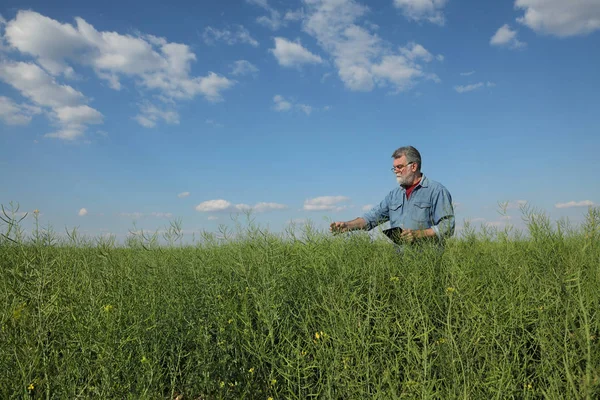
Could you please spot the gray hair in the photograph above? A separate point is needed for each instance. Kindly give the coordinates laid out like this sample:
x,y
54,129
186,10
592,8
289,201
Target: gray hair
x,y
412,155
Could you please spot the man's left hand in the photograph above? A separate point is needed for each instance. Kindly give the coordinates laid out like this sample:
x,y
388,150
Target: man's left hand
x,y
410,235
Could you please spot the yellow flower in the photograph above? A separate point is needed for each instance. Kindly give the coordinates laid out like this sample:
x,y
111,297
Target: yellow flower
x,y
36,211
17,312
317,335
144,360
394,278
30,387
270,398
230,321
221,384
440,341
251,370
273,382
107,308
450,290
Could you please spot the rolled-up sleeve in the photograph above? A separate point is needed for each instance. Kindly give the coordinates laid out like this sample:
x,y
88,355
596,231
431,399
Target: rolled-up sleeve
x,y
443,214
378,214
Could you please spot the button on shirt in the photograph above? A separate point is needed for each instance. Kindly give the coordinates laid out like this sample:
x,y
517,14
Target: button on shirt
x,y
429,206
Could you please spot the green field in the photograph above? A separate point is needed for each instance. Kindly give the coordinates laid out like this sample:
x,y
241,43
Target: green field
x,y
497,315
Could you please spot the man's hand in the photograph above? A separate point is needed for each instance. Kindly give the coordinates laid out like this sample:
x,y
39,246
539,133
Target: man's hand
x,y
410,235
338,227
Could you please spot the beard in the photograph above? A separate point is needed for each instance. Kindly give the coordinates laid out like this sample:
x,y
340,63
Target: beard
x,y
406,180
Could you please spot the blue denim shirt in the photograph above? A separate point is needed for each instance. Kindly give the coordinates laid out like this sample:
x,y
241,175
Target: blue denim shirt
x,y
429,206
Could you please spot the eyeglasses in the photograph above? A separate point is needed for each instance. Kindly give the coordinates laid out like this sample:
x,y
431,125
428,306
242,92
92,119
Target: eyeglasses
x,y
400,167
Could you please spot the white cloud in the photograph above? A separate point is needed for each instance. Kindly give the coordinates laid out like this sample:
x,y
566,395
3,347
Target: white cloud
x,y
473,86
231,37
134,215
281,104
468,88
305,108
296,15
150,114
212,85
560,17
83,212
16,114
272,21
367,207
161,214
467,73
417,10
243,67
183,194
153,62
260,3
35,84
363,59
224,205
78,115
506,37
570,204
415,51
214,123
65,103
213,205
67,133
145,121
3,46
262,207
138,215
212,218
292,54
45,38
325,203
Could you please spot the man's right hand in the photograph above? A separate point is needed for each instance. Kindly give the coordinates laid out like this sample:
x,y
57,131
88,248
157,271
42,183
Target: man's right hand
x,y
338,227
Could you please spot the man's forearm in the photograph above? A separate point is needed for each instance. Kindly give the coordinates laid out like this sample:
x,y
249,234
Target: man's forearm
x,y
425,233
355,224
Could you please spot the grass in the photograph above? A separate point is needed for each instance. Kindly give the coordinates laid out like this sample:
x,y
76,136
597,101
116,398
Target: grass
x,y
496,315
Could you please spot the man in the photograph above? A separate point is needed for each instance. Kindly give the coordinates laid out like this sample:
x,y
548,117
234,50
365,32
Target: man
x,y
422,208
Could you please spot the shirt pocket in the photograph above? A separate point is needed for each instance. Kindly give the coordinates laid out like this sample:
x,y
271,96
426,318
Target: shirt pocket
x,y
396,207
395,213
421,213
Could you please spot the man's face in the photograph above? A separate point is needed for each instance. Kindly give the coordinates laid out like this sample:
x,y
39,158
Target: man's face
x,y
405,173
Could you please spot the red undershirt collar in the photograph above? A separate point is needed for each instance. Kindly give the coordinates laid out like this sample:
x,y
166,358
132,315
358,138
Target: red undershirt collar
x,y
411,188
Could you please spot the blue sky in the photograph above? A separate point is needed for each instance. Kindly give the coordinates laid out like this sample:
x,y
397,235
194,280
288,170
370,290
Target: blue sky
x,y
126,112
